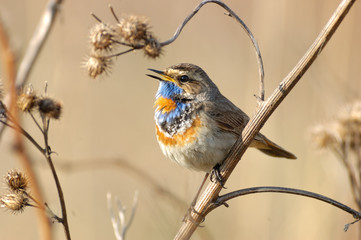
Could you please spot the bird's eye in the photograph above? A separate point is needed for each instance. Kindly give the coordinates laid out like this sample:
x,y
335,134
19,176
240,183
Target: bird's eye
x,y
184,78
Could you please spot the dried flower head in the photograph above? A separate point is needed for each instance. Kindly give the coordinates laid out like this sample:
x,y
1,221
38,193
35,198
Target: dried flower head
x,y
102,36
16,180
27,99
96,65
152,48
133,29
343,131
15,202
49,108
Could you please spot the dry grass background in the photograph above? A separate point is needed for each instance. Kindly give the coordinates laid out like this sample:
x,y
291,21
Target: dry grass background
x,y
112,117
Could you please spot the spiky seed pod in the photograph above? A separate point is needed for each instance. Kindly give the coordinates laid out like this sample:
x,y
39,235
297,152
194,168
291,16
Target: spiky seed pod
x,y
133,29
16,180
27,100
96,65
49,107
15,202
152,48
102,36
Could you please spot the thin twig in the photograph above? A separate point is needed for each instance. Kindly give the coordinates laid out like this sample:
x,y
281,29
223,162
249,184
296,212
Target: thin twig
x,y
47,154
37,41
244,26
262,114
120,227
9,74
226,197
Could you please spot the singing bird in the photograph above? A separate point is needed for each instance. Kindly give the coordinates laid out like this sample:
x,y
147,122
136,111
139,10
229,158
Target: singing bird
x,y
196,125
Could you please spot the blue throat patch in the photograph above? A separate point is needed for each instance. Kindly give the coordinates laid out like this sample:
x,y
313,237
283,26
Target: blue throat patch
x,y
169,90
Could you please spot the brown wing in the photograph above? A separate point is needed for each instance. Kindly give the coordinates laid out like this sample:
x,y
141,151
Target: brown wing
x,y
232,119
228,117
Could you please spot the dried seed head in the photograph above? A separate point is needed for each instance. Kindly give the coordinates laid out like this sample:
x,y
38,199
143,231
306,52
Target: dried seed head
x,y
15,202
16,180
350,120
133,29
27,100
96,65
102,36
343,131
152,48
49,107
326,135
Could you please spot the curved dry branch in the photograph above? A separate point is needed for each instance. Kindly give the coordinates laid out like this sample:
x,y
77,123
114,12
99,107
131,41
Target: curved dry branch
x,y
245,28
221,200
258,120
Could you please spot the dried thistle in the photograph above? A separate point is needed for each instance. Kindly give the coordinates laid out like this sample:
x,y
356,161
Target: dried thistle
x,y
152,49
15,202
344,130
342,136
49,108
96,65
102,36
16,180
27,99
132,32
133,29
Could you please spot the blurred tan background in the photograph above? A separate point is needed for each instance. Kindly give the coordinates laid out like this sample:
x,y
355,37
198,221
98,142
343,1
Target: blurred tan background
x,y
112,117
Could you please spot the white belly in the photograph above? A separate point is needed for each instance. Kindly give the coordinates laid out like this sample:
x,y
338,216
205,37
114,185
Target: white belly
x,y
206,150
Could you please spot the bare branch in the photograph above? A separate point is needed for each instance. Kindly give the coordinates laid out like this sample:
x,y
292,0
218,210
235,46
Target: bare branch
x,y
37,42
232,14
117,216
224,198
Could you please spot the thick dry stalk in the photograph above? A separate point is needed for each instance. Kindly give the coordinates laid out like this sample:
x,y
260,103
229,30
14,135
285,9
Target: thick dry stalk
x,y
258,120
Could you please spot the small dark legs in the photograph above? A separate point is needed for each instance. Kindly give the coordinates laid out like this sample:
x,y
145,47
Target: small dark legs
x,y
216,175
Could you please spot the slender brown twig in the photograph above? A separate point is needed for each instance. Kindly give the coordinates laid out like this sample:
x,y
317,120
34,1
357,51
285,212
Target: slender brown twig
x,y
226,197
245,28
258,120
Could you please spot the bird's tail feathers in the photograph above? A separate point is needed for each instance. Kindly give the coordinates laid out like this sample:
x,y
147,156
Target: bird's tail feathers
x,y
270,148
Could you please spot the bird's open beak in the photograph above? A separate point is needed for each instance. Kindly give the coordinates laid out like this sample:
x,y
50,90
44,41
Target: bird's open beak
x,y
162,77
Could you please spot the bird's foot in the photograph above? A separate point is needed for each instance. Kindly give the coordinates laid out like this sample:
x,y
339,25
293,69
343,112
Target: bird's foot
x,y
216,175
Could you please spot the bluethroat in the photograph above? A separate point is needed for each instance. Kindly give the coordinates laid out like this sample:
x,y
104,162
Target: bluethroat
x,y
196,125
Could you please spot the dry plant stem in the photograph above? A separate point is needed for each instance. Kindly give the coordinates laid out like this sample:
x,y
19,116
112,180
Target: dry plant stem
x,y
342,154
244,26
47,154
222,199
8,61
258,120
36,43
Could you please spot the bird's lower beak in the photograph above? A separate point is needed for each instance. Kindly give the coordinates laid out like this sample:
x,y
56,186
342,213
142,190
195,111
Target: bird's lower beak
x,y
163,76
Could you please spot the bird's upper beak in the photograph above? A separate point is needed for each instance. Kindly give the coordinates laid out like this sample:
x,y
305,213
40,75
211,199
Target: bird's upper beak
x,y
163,76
